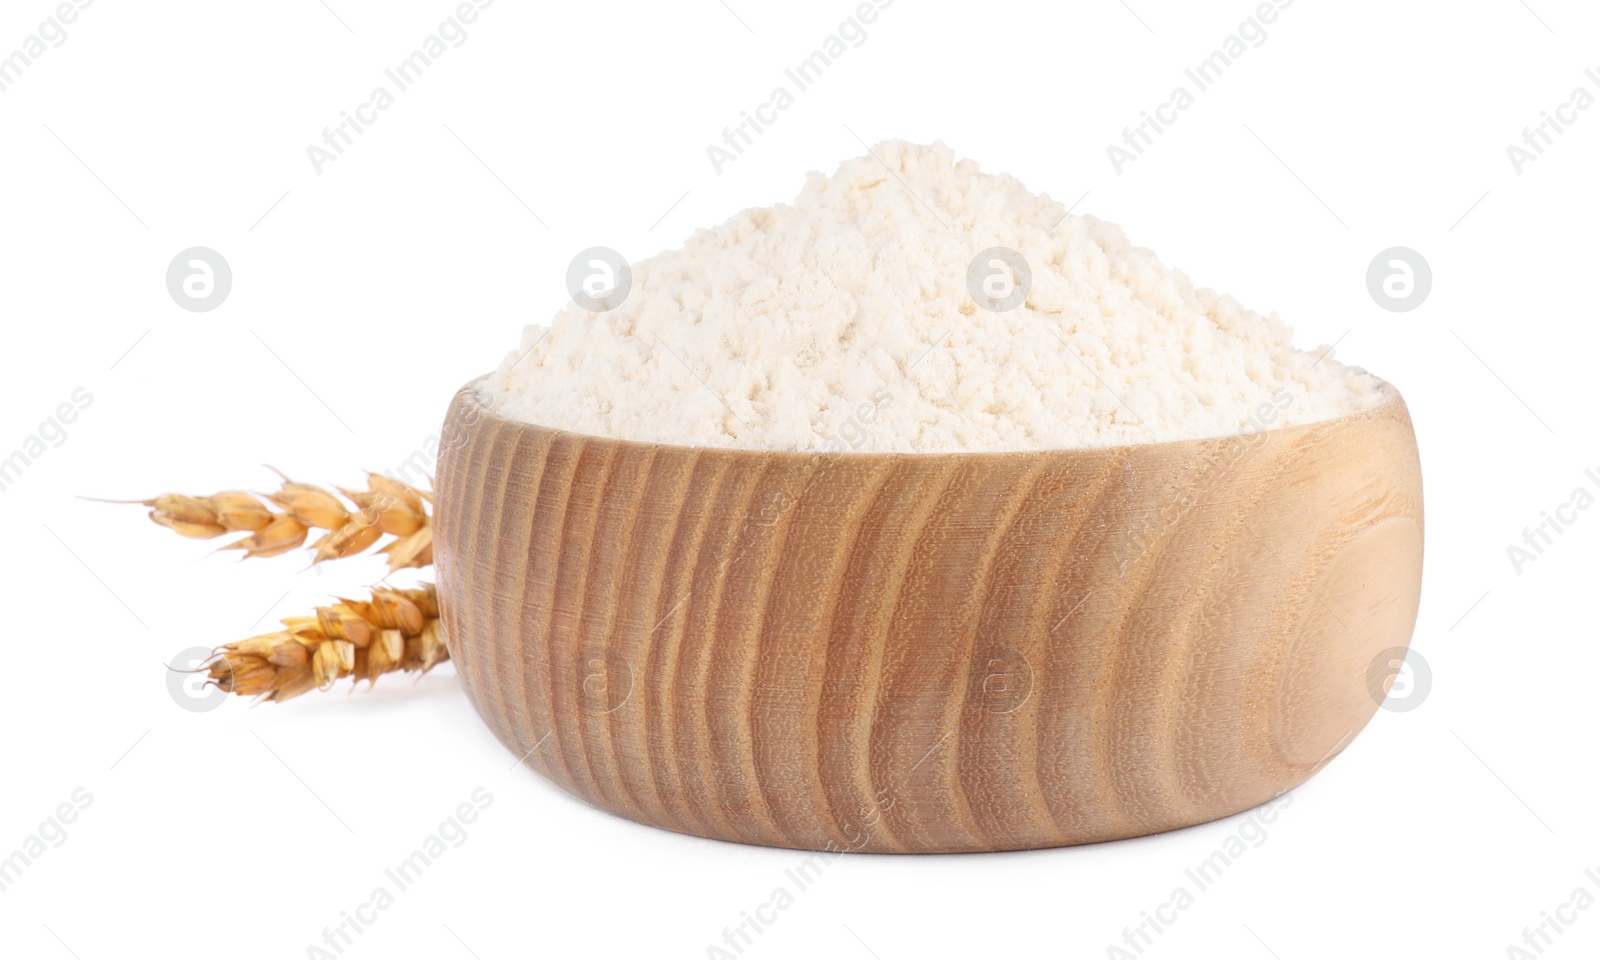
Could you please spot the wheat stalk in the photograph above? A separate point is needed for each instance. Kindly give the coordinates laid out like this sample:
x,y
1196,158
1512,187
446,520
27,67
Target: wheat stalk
x,y
353,524
394,630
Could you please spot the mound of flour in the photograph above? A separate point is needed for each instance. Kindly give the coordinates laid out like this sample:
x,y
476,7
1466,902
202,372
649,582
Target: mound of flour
x,y
846,321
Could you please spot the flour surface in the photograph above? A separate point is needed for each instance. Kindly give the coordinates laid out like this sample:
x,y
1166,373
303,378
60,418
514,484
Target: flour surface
x,y
844,321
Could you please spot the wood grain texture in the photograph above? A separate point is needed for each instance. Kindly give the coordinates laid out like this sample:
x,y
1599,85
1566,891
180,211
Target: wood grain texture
x,y
927,652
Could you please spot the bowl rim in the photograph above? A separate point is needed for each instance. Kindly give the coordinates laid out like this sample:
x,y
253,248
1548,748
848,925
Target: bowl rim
x,y
1391,405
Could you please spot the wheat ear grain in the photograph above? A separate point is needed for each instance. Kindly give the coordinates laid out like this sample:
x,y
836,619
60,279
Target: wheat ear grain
x,y
353,522
394,630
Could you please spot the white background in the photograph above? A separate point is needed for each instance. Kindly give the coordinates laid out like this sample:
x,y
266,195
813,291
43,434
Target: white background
x,y
365,295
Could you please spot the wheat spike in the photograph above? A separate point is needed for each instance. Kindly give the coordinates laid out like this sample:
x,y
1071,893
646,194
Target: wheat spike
x,y
394,630
351,525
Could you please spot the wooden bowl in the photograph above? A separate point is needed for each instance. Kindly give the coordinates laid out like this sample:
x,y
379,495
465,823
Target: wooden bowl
x,y
927,652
